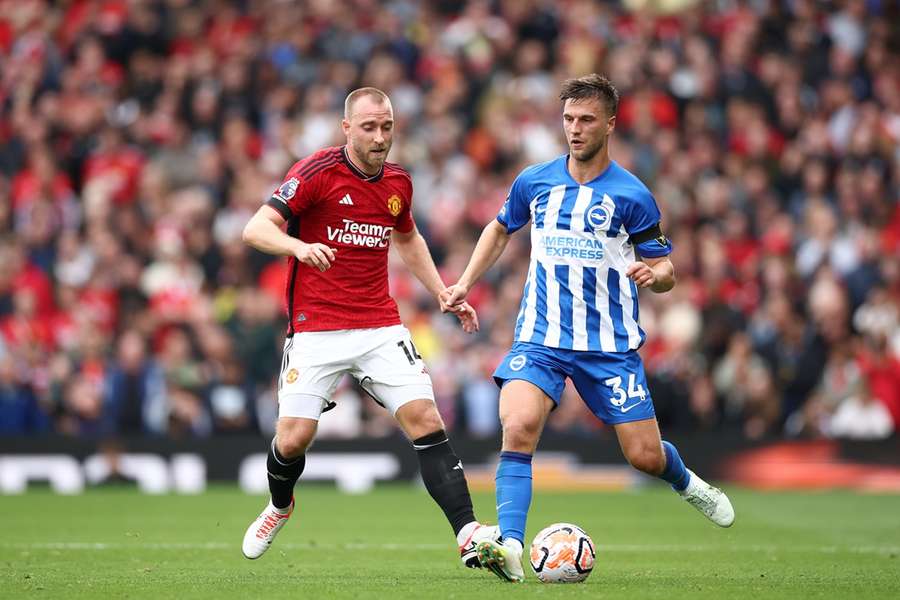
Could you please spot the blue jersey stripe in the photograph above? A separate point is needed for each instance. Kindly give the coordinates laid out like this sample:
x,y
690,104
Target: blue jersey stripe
x,y
589,291
634,310
565,306
565,210
539,212
523,307
540,324
615,311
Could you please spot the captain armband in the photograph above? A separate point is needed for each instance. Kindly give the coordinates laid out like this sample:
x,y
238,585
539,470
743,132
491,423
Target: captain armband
x,y
651,233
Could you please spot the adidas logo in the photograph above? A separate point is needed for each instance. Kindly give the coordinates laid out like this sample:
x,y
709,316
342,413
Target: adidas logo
x,y
346,200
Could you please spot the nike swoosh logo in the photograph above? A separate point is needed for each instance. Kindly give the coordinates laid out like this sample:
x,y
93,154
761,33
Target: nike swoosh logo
x,y
625,410
502,504
458,466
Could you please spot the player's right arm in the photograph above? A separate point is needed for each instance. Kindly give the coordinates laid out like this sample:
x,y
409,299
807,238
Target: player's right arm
x,y
514,214
490,246
264,232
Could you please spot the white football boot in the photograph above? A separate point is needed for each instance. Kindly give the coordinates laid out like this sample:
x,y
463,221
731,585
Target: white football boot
x,y
468,553
504,559
263,530
709,500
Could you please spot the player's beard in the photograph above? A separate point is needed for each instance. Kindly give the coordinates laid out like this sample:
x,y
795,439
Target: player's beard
x,y
588,151
371,161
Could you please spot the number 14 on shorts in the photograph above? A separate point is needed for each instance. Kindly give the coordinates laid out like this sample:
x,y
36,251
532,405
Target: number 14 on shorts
x,y
620,396
413,356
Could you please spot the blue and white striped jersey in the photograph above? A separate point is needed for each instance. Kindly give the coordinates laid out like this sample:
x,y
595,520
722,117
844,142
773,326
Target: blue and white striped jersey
x,y
577,296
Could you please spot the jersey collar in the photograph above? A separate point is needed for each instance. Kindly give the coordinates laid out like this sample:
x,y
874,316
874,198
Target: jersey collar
x,y
601,175
357,171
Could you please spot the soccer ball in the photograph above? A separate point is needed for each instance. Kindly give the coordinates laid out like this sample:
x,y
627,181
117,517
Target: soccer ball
x,y
562,553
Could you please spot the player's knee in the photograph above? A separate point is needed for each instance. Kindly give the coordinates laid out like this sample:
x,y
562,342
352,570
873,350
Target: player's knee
x,y
430,420
647,460
520,434
294,441
419,418
293,446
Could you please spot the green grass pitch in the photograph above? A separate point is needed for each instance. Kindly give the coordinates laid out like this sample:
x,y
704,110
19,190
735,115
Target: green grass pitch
x,y
394,543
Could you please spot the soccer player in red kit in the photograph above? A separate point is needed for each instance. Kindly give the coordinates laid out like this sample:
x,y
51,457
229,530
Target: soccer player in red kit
x,y
344,207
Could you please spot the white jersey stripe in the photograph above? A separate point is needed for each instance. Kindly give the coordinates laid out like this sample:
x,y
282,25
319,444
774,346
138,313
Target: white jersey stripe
x,y
552,337
576,274
554,202
581,203
607,333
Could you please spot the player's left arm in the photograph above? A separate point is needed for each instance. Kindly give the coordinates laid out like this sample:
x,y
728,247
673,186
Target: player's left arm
x,y
653,270
658,274
415,254
413,249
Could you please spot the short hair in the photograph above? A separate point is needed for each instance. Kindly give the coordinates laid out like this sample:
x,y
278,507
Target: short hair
x,y
591,86
355,95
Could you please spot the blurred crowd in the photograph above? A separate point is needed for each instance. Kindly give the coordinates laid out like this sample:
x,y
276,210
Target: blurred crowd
x,y
138,136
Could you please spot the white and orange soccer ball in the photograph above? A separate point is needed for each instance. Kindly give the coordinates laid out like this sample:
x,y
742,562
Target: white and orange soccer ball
x,y
562,553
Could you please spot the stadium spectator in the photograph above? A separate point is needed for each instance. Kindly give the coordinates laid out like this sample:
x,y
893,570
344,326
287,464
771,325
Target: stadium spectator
x,y
135,390
20,412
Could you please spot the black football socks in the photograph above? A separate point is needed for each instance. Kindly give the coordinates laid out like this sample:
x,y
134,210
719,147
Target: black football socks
x,y
283,474
442,472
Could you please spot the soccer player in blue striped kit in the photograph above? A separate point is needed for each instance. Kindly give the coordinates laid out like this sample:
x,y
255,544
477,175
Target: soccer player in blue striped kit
x,y
595,239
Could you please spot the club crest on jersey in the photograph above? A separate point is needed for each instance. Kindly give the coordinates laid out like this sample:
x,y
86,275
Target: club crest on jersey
x,y
291,376
662,241
598,218
288,188
394,205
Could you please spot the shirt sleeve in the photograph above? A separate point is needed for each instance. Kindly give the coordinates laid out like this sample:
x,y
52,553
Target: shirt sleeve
x,y
642,222
293,196
515,212
405,222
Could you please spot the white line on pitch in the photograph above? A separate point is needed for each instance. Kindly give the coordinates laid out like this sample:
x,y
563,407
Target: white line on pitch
x,y
832,549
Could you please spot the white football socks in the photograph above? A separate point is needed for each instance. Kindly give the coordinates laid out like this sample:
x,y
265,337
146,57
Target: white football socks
x,y
466,532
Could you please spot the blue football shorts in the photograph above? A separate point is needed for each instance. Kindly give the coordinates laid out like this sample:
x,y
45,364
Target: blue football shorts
x,y
612,385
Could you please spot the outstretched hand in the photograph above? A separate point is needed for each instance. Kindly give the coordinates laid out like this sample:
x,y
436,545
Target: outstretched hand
x,y
467,317
452,299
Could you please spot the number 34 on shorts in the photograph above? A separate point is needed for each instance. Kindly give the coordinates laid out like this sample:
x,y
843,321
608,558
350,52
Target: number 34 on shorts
x,y
614,387
620,398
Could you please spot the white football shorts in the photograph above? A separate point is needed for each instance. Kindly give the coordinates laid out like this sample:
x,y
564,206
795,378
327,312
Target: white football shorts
x,y
383,360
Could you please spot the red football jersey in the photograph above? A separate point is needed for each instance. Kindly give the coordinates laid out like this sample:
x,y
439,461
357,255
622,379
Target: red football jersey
x,y
326,199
